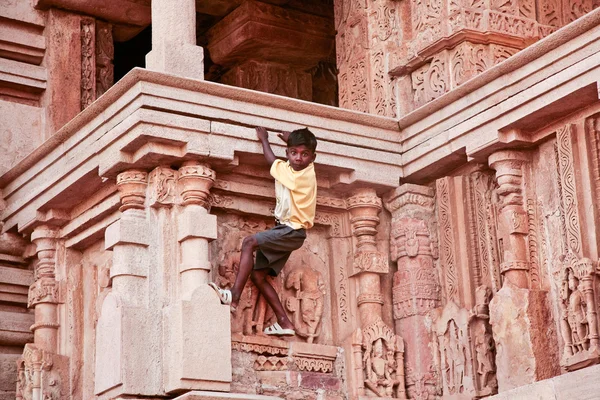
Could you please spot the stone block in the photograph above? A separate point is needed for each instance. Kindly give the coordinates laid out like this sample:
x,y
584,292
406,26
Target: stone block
x,y
203,395
195,223
199,334
175,58
526,353
315,380
127,231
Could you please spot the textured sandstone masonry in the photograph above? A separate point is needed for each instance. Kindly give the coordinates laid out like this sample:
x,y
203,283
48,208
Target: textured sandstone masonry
x,y
481,276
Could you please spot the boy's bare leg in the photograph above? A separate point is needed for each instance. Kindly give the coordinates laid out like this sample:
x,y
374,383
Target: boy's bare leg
x,y
249,245
259,278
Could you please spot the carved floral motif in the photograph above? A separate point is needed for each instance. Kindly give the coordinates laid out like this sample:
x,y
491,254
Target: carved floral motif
x,y
162,185
88,78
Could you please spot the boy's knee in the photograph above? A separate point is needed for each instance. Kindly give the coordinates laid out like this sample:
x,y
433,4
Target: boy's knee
x,y
249,242
257,277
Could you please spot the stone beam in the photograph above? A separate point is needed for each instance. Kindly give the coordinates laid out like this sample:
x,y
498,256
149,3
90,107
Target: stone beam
x,y
150,118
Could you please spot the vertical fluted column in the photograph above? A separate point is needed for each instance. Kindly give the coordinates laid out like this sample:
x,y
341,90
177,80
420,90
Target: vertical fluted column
x,y
369,264
43,294
512,216
416,289
174,47
196,226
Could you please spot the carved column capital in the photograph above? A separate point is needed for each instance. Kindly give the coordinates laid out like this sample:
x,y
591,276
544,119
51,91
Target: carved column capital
x,y
195,181
509,174
45,239
132,189
364,206
409,198
162,187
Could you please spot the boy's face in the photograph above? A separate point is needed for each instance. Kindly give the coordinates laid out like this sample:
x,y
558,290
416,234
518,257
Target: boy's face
x,y
299,156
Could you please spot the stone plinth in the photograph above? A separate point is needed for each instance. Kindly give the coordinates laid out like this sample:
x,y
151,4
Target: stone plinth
x,y
527,348
201,395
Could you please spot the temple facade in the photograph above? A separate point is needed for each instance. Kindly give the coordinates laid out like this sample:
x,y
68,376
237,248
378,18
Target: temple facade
x,y
457,236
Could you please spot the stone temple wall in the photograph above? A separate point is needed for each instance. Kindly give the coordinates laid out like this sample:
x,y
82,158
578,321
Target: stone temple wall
x,y
455,249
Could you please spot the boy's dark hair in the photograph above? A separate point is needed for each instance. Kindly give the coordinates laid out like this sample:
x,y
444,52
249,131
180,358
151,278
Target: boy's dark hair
x,y
302,137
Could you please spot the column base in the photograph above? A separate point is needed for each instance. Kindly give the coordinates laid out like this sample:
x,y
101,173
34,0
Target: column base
x,y
525,353
181,59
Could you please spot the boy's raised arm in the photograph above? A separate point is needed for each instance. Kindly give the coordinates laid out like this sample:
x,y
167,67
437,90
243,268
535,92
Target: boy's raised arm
x,y
263,136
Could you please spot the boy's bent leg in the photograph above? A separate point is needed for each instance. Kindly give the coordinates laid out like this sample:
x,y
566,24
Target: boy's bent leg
x,y
249,245
259,278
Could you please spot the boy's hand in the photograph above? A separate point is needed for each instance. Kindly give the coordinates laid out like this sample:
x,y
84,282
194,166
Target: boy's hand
x,y
262,134
284,136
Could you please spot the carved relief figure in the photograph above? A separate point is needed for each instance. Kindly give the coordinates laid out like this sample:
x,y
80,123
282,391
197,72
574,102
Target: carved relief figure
x,y
250,315
382,361
577,315
579,320
484,350
307,304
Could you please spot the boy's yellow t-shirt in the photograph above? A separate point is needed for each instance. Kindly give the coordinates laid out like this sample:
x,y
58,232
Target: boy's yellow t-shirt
x,y
296,194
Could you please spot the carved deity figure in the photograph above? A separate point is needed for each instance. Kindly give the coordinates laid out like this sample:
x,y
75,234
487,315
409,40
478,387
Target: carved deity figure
x,y
307,303
382,357
577,315
484,350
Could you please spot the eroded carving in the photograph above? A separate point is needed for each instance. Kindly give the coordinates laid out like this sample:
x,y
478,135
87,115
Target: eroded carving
x,y
382,361
579,321
307,303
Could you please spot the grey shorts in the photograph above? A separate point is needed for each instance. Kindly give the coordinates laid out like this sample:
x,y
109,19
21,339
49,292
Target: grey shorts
x,y
275,247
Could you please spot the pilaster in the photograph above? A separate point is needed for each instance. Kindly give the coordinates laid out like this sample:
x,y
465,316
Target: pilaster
x,y
416,288
198,325
128,332
372,345
523,354
174,49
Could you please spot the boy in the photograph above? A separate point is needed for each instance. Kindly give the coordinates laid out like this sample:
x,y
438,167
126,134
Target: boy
x,y
296,194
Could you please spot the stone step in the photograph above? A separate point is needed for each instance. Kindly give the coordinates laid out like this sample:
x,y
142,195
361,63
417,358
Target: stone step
x,y
204,395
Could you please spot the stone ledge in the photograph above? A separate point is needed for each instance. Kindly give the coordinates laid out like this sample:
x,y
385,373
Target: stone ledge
x,y
203,395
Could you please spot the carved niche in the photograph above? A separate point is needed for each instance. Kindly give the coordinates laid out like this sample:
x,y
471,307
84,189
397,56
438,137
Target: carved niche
x,y
380,354
578,314
465,349
41,372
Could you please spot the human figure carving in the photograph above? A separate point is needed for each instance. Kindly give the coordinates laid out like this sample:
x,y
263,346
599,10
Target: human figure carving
x,y
484,349
307,304
577,315
379,368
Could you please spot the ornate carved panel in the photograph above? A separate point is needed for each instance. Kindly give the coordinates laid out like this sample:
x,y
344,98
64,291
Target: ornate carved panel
x,y
568,194
379,368
579,314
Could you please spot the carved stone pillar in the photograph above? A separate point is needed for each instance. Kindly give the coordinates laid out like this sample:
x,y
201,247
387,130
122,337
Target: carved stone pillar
x,y
374,347
525,353
197,324
174,49
364,206
416,289
512,216
127,316
43,294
